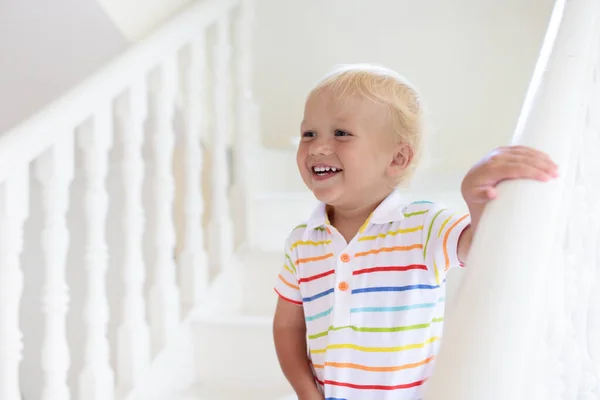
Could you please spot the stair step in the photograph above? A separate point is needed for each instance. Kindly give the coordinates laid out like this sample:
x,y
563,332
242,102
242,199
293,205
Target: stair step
x,y
258,274
230,391
228,348
274,215
283,171
245,287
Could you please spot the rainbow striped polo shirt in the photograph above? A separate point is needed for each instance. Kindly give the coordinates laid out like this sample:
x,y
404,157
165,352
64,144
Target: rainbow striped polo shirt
x,y
374,307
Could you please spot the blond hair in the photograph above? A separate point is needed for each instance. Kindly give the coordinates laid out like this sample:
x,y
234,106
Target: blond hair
x,y
390,89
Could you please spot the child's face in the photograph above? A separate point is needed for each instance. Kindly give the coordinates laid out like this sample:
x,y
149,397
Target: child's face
x,y
346,155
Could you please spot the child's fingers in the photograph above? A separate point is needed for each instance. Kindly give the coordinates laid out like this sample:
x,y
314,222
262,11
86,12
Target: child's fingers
x,y
535,158
544,165
529,151
524,170
523,162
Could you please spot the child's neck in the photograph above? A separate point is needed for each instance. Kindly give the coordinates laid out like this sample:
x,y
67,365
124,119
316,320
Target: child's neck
x,y
348,220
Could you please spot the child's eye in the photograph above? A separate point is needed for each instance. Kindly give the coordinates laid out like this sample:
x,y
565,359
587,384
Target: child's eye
x,y
308,134
339,132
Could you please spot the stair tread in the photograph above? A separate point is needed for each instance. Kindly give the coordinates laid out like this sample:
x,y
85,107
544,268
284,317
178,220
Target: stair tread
x,y
203,317
228,391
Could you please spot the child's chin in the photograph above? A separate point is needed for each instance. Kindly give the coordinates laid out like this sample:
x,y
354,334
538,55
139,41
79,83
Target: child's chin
x,y
329,196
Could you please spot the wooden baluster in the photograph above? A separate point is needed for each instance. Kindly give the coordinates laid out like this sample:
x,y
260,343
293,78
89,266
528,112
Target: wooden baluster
x,y
96,381
54,170
133,346
193,269
221,232
14,209
165,302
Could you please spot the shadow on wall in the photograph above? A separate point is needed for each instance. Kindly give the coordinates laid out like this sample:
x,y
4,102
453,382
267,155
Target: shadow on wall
x,y
46,48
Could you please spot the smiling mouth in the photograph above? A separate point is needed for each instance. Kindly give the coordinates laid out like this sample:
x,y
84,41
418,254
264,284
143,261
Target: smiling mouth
x,y
326,171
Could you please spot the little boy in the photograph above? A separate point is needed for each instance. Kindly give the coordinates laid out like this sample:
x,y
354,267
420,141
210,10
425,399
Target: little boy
x,y
361,292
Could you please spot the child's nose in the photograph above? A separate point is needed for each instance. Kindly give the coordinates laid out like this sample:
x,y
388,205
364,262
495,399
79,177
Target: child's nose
x,y
320,147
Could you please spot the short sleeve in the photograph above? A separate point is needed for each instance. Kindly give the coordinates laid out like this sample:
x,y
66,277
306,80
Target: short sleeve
x,y
286,285
441,231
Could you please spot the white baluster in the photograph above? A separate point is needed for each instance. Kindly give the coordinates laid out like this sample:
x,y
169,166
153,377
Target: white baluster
x,y
14,208
246,136
165,302
96,381
221,233
591,148
54,170
133,346
193,269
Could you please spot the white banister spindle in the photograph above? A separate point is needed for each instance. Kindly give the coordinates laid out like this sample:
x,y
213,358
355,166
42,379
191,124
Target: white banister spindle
x,y
250,110
580,370
165,302
14,208
593,250
96,381
221,231
497,312
193,266
54,170
247,138
133,342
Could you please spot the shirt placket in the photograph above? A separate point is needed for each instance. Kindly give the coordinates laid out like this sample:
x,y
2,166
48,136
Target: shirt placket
x,y
343,283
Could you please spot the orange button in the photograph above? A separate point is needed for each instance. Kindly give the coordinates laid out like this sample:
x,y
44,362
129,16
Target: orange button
x,y
345,257
343,286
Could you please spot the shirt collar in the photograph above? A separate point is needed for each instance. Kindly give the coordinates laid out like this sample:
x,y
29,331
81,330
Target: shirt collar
x,y
390,210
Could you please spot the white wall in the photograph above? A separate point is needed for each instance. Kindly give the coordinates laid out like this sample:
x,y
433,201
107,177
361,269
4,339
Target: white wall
x,y
472,60
48,47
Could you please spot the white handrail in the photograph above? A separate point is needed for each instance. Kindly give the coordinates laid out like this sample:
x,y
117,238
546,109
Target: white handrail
x,y
25,142
488,348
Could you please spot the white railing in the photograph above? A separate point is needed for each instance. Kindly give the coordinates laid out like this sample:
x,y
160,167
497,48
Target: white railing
x,y
131,104
527,317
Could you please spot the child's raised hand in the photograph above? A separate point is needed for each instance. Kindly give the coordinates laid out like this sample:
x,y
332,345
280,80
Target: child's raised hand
x,y
505,163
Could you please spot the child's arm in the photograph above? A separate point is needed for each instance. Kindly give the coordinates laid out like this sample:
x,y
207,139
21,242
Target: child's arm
x,y
289,332
505,163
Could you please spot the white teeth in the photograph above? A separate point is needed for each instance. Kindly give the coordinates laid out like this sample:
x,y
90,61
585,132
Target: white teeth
x,y
325,169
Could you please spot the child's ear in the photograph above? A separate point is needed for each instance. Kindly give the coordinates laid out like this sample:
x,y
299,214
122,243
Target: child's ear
x,y
402,159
